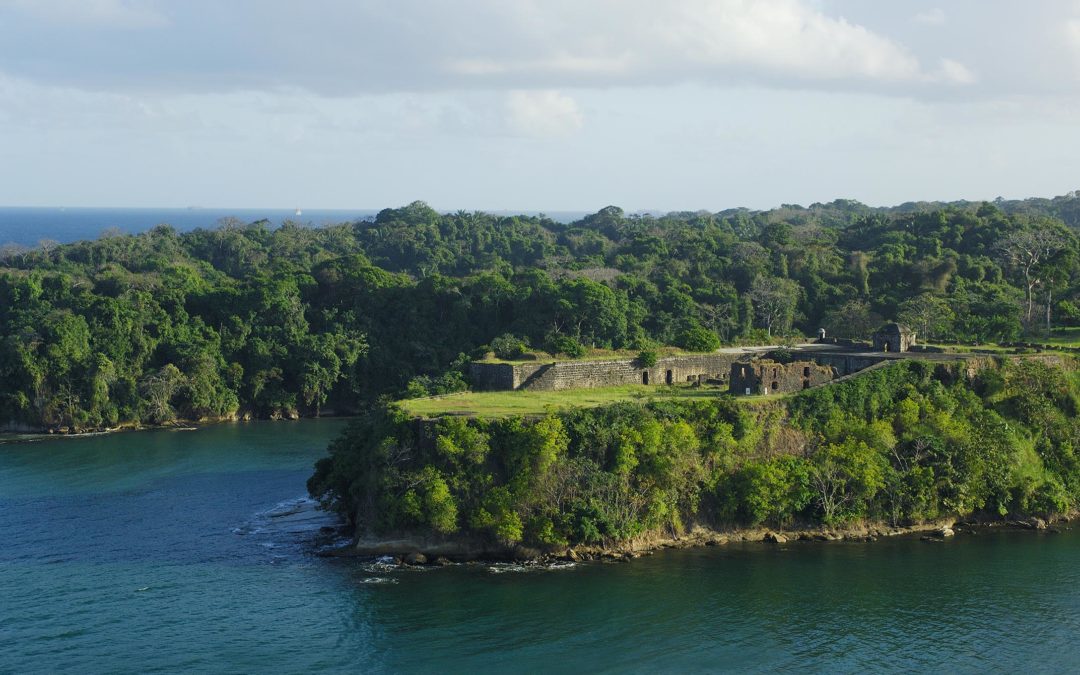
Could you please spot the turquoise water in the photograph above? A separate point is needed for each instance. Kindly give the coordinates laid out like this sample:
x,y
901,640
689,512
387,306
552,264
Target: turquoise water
x,y
192,552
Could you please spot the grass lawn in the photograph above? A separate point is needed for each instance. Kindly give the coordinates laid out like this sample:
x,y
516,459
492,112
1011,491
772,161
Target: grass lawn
x,y
508,403
1062,337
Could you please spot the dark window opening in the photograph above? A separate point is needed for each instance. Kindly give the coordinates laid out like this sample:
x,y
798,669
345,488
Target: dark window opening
x,y
644,377
775,386
670,377
806,371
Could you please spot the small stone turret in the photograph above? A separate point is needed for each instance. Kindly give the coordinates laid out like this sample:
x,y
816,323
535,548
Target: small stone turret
x,y
892,337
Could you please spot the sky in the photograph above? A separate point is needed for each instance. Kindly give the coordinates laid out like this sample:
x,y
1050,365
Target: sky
x,y
538,105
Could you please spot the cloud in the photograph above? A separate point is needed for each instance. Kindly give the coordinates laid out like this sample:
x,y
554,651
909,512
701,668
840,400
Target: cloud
x,y
931,17
1071,31
954,71
127,14
349,47
543,114
639,41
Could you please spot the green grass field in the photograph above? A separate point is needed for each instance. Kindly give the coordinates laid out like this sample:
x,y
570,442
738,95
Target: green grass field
x,y
509,403
1062,337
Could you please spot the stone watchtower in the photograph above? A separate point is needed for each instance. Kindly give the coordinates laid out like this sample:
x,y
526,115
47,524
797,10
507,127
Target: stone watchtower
x,y
892,337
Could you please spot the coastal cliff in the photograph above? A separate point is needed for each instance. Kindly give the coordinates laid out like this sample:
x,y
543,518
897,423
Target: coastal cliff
x,y
909,447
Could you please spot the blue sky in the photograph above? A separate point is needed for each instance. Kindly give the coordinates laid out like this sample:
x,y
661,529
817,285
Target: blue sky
x,y
535,104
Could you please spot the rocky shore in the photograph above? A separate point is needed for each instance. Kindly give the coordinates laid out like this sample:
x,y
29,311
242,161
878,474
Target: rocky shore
x,y
427,550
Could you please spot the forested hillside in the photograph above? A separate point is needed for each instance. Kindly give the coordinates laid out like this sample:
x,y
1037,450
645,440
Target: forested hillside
x,y
249,319
905,444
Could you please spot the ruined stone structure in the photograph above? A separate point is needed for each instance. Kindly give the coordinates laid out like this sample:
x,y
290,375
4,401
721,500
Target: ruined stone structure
x,y
892,337
765,376
559,375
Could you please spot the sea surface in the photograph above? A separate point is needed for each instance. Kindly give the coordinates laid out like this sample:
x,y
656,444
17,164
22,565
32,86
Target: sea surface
x,y
193,551
27,226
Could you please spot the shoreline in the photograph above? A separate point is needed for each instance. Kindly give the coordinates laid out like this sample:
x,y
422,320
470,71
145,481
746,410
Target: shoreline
x,y
44,434
420,550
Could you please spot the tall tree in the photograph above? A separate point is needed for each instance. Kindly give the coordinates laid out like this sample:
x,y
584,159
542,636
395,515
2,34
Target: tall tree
x,y
774,301
1025,250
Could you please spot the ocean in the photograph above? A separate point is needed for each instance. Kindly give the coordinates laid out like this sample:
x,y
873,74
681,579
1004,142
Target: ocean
x,y
195,551
27,226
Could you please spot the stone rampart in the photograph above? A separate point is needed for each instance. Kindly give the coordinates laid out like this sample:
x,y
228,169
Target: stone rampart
x,y
560,375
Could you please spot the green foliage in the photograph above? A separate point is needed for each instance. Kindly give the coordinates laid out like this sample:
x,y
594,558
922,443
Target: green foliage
x,y
508,347
565,345
698,339
300,320
900,444
647,358
773,491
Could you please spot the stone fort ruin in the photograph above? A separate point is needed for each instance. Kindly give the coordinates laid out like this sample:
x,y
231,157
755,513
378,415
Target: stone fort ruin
x,y
743,372
765,376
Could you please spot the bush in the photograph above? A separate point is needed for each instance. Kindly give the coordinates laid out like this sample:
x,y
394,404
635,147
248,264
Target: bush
x,y
564,344
508,347
647,358
698,339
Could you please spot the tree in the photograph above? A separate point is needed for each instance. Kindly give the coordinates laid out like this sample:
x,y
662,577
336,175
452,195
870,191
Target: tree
x,y
508,347
1025,250
774,302
852,319
845,477
158,390
699,339
929,315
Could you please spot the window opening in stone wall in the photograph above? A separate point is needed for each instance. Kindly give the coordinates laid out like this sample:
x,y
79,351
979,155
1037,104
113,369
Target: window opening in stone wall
x,y
669,377
775,386
806,371
645,377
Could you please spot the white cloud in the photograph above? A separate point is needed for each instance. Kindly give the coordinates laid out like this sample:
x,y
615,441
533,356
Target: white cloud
x,y
1071,30
543,114
105,13
931,17
955,72
366,46
634,41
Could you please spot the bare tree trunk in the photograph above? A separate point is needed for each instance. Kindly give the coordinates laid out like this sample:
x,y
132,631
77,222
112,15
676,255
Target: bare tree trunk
x,y
1049,296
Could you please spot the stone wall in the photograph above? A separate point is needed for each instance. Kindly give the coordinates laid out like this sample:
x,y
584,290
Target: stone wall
x,y
765,376
560,375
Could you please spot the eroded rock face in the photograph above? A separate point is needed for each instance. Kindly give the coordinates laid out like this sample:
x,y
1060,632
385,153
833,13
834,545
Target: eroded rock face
x,y
416,559
775,538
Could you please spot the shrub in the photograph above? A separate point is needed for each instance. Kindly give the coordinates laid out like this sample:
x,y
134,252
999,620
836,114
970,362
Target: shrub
x,y
699,339
647,358
508,346
564,344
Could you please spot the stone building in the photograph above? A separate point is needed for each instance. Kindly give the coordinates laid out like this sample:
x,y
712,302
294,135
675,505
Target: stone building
x,y
765,376
892,337
561,375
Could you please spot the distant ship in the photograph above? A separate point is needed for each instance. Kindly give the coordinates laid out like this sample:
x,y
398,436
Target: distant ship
x,y
299,212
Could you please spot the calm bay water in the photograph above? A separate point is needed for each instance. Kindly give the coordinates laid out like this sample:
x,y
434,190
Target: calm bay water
x,y
191,552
